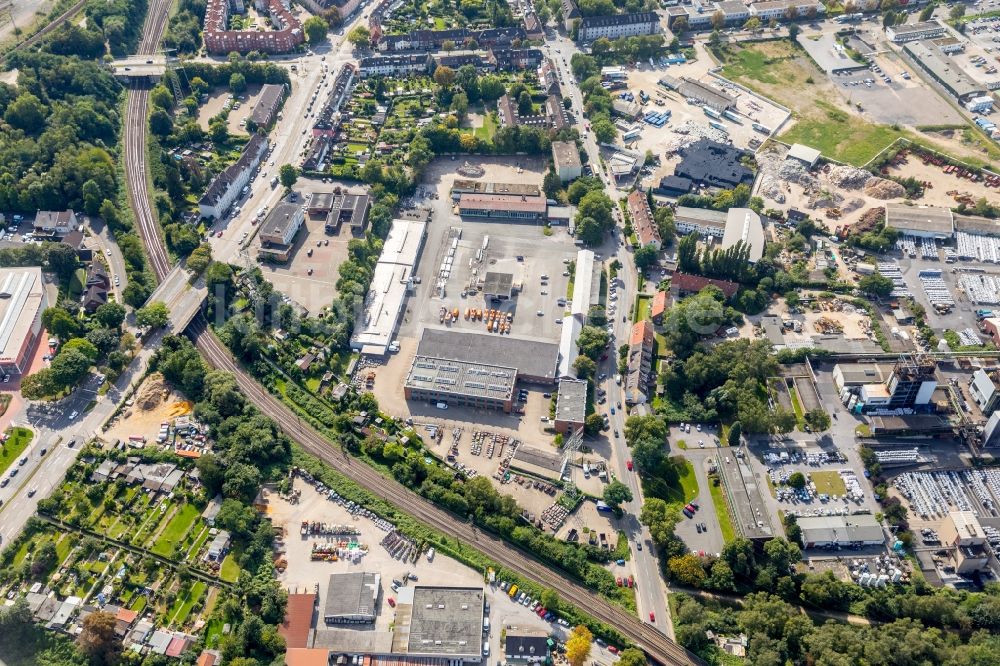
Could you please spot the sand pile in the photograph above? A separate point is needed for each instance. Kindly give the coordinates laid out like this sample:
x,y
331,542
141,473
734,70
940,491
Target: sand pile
x,y
151,393
848,177
882,188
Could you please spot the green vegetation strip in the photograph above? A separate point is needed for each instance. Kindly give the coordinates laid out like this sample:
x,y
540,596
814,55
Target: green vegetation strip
x,y
14,447
175,530
722,512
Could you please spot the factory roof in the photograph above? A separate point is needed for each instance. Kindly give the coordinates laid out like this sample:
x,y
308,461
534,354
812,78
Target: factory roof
x,y
977,225
803,154
474,187
298,620
585,288
446,620
402,244
498,283
712,163
21,297
322,201
840,529
945,70
535,358
917,28
571,403
352,595
281,217
742,224
710,95
533,204
461,378
568,348
565,154
855,374
704,217
925,219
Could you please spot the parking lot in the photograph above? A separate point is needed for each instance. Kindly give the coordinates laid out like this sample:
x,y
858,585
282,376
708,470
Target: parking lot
x,y
962,315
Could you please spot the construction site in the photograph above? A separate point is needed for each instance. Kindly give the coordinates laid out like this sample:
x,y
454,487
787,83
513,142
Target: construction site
x,y
142,417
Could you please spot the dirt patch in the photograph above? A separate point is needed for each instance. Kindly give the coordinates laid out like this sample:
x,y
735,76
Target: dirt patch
x,y
940,183
155,402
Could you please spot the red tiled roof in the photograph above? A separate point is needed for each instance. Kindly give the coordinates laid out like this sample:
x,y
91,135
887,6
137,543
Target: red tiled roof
x,y
177,646
298,620
642,218
642,333
686,282
503,202
659,304
307,657
126,615
206,658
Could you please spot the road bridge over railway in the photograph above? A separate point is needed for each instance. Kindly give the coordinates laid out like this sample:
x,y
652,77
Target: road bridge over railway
x,y
183,298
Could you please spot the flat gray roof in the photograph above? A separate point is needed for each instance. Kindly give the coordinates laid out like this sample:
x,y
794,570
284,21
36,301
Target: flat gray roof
x,y
864,373
701,216
946,70
924,219
571,404
446,620
742,224
977,225
565,154
498,283
534,358
462,378
282,216
22,298
352,595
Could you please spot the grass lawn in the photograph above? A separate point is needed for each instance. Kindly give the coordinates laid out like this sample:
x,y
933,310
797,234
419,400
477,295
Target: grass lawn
x,y
199,543
796,405
139,603
488,129
722,511
14,447
642,305
841,135
174,532
178,614
689,482
230,571
681,444
829,482
863,430
64,545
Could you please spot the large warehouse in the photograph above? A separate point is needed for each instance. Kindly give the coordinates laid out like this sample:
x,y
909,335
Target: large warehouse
x,y
827,531
923,221
22,300
351,598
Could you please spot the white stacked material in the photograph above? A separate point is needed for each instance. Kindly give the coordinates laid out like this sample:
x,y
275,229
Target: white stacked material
x,y
890,269
969,336
974,246
928,248
936,290
981,289
897,456
907,245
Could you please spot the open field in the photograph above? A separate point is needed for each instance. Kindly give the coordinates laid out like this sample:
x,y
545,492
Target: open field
x,y
829,482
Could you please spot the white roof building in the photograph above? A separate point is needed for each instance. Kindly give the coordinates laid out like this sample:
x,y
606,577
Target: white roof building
x,y
805,154
742,224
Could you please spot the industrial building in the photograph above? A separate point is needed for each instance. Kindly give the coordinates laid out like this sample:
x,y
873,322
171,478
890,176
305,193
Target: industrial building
x,y
22,300
713,164
521,208
460,187
618,25
586,291
352,598
985,390
804,154
709,95
278,230
923,221
498,286
391,282
945,71
642,220
526,646
991,431
571,405
910,386
451,382
226,187
962,532
855,375
641,346
909,32
566,157
744,225
535,359
830,531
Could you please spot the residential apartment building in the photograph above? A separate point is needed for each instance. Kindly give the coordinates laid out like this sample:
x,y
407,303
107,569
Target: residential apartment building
x,y
272,95
566,157
911,32
220,40
344,7
619,25
434,40
508,60
278,230
54,223
783,10
225,188
642,220
571,13
640,358
701,221
396,65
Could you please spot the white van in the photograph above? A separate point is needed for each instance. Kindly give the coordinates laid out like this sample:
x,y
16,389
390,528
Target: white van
x,y
442,405
486,648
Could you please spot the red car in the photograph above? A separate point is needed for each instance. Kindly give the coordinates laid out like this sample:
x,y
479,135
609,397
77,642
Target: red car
x,y
392,602
612,649
618,581
631,581
628,463
652,617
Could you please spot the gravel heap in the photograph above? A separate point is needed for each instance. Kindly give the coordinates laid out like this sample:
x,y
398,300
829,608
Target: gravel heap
x,y
848,177
882,188
776,171
690,132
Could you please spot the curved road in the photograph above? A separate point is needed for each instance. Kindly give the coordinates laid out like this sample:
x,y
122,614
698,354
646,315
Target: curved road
x,y
657,645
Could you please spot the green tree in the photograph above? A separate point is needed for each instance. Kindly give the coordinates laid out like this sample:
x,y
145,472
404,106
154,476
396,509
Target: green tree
x,y
617,493
360,36
645,257
524,103
97,639
632,657
82,345
876,284
593,424
160,123
57,321
604,130
686,569
287,175
26,113
817,419
585,367
957,12
444,76
315,29
160,97
797,480
237,83
735,431
550,599
592,342
154,315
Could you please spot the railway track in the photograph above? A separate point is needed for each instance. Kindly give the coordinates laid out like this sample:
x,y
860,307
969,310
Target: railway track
x,y
655,644
59,20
